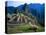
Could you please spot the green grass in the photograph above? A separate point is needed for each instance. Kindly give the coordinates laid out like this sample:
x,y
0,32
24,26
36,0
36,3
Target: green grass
x,y
24,28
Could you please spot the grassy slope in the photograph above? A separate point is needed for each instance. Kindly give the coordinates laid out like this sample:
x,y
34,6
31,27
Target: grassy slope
x,y
24,28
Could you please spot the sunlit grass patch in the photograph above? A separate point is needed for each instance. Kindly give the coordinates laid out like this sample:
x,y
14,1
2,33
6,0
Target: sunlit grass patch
x,y
25,28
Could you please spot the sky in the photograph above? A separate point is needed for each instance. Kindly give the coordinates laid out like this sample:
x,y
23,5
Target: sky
x,y
17,3
13,3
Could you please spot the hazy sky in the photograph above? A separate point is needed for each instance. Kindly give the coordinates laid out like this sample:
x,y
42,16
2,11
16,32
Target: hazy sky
x,y
17,3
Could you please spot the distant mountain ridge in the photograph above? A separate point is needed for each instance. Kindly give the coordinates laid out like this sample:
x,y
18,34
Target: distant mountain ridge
x,y
38,7
10,9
